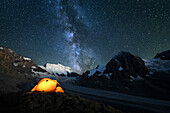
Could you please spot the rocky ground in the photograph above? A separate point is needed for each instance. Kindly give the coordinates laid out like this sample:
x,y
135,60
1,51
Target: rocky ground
x,y
39,102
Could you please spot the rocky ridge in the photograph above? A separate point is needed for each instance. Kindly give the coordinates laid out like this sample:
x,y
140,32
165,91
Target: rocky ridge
x,y
124,65
12,63
127,73
15,70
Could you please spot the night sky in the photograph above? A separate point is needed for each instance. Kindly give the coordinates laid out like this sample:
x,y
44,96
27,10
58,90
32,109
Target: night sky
x,y
84,33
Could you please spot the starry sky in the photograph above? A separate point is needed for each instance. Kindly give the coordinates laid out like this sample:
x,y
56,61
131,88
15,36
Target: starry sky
x,y
84,33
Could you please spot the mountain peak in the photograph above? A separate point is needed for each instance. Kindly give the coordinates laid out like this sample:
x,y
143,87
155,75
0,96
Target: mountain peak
x,y
165,55
57,68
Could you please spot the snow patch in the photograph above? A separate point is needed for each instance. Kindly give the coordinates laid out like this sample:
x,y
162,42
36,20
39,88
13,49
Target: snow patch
x,y
120,68
40,73
132,78
26,58
33,67
100,68
151,73
42,67
108,75
11,51
15,64
137,78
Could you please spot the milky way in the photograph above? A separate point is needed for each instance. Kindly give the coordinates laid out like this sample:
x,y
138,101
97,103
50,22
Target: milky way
x,y
70,17
84,33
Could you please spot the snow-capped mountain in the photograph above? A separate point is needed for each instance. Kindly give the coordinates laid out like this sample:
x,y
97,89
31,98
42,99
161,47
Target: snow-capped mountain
x,y
157,65
134,67
130,74
56,68
124,65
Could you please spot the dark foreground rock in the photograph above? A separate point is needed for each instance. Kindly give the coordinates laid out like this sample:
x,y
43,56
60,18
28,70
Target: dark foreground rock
x,y
39,102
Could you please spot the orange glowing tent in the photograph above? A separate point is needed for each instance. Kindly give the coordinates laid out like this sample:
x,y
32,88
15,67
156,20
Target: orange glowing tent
x,y
48,85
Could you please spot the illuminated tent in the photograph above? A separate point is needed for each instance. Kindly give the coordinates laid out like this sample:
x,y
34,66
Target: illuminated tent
x,y
48,85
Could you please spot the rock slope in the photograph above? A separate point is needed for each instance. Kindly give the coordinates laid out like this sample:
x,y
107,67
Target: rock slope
x,y
15,70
